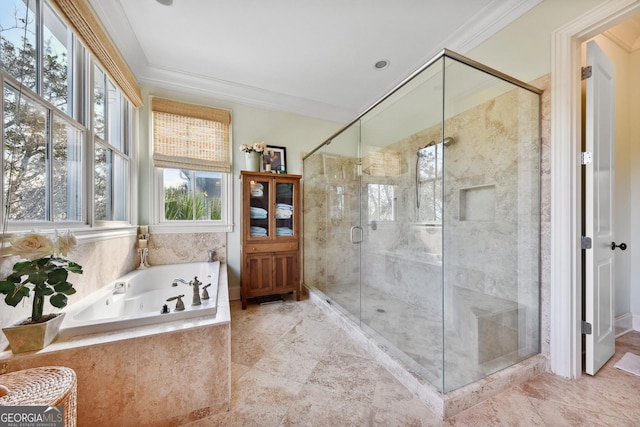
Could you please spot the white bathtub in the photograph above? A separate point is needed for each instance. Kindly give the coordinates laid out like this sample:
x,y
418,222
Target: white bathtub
x,y
145,294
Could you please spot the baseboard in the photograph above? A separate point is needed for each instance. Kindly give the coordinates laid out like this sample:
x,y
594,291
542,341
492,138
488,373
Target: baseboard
x,y
625,323
234,293
636,322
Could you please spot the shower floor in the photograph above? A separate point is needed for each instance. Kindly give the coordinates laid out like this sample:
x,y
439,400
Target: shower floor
x,y
414,334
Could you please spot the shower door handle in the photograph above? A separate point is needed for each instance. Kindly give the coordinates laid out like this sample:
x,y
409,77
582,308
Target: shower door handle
x,y
360,237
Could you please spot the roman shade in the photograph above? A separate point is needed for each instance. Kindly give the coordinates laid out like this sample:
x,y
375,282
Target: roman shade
x,y
88,28
192,137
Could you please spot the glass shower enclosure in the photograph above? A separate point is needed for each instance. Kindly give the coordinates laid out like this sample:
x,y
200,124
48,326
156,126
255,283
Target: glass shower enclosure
x,y
422,221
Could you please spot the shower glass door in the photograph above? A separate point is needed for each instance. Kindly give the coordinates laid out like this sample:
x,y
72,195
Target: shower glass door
x,y
401,217
422,222
332,207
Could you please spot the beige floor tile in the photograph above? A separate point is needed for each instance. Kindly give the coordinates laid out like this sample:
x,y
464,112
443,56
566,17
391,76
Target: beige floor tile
x,y
506,409
283,361
247,347
262,399
392,401
555,414
291,366
314,406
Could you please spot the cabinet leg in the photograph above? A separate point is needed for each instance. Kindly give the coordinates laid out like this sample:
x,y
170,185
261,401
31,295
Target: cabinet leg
x,y
244,302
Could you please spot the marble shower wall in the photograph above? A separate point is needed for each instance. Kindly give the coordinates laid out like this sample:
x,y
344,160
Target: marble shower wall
x,y
331,207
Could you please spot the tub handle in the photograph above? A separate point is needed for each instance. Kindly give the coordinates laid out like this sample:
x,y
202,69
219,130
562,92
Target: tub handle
x,y
205,292
179,303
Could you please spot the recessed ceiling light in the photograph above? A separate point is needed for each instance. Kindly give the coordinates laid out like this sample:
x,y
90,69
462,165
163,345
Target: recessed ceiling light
x,y
165,2
382,64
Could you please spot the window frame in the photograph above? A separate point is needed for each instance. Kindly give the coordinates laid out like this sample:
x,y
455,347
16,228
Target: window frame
x,y
157,221
432,181
224,225
81,65
125,152
394,211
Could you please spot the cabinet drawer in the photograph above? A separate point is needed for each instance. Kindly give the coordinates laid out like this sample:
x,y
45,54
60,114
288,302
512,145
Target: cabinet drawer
x,y
270,247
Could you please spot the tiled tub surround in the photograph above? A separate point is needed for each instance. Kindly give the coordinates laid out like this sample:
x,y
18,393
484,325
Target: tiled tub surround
x,y
105,260
175,248
102,261
162,375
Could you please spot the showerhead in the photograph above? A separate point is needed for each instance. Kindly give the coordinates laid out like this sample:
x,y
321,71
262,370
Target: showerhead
x,y
445,142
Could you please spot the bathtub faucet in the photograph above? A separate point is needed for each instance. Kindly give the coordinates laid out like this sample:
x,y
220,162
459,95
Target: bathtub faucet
x,y
175,282
196,291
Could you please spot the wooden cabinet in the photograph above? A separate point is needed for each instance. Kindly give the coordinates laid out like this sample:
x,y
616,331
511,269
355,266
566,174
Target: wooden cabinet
x,y
270,235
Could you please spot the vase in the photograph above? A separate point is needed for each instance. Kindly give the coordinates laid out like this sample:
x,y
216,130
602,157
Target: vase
x,y
252,161
33,336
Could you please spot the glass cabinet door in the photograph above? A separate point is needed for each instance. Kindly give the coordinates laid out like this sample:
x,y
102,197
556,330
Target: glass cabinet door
x,y
284,206
259,209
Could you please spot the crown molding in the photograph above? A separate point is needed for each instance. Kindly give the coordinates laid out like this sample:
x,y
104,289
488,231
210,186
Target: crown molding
x,y
494,17
243,94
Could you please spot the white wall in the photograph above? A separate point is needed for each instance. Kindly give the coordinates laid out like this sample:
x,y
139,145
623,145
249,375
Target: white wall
x,y
299,134
523,49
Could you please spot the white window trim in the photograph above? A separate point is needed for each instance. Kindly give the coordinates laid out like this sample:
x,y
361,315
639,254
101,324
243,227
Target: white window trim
x,y
83,234
159,225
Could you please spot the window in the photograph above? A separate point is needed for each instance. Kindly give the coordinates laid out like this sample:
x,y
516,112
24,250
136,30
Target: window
x,y
192,158
192,195
381,202
43,146
430,184
51,124
111,116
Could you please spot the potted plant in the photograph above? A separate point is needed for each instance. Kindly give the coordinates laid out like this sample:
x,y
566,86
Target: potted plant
x,y
252,154
42,273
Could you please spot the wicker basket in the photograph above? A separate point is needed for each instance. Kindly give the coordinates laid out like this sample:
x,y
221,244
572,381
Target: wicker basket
x,y
45,386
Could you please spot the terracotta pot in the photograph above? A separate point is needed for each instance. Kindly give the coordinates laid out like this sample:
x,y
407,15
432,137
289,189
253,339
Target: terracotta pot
x,y
35,336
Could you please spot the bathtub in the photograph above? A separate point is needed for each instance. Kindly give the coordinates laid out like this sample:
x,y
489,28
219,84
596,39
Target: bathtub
x,y
137,299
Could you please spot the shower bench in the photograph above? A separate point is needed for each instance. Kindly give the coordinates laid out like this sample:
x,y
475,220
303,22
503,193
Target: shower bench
x,y
489,326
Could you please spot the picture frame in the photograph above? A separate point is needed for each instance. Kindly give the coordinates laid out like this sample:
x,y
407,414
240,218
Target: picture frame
x,y
274,159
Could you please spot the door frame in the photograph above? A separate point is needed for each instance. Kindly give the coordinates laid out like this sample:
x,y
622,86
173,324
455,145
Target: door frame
x,y
566,186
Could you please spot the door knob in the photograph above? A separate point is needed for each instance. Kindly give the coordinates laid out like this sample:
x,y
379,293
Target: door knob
x,y
622,246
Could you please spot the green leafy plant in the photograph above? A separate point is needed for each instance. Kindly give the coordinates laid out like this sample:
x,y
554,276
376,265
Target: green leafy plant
x,y
44,272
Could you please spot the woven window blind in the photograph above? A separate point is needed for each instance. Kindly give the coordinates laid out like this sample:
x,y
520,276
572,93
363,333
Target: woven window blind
x,y
192,137
87,26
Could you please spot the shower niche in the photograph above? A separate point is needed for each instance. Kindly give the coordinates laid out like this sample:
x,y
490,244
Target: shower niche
x,y
422,222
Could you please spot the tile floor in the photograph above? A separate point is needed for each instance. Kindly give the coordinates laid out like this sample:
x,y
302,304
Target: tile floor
x,y
292,366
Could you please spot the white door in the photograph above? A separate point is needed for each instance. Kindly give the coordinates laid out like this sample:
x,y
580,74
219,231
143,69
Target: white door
x,y
599,204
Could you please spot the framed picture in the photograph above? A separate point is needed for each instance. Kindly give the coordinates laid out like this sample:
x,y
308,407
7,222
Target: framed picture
x,y
274,159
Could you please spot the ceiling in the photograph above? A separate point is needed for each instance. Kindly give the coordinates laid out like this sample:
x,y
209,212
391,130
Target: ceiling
x,y
311,57
626,34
